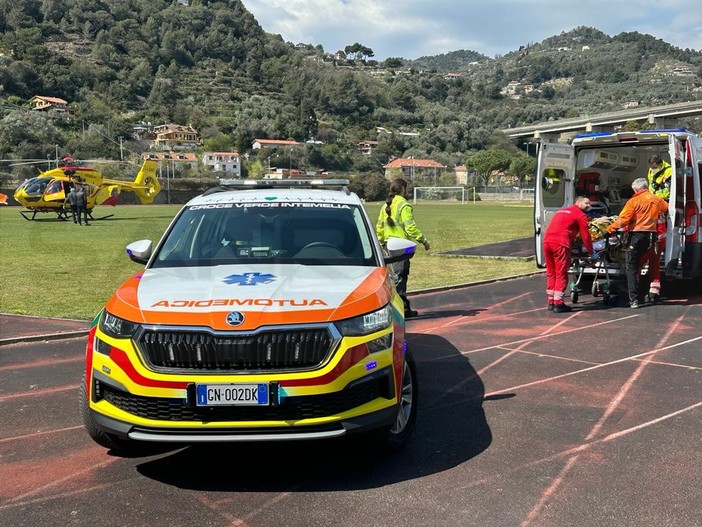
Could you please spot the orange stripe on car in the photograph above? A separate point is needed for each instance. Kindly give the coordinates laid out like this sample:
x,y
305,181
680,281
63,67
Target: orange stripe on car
x,y
373,292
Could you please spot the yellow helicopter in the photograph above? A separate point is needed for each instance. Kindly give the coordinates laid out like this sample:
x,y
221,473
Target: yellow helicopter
x,y
47,192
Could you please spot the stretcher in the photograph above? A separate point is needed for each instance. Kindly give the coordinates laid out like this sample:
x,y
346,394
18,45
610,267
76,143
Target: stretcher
x,y
604,276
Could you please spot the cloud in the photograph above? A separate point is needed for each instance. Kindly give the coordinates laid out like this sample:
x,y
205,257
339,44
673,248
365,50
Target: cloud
x,y
414,28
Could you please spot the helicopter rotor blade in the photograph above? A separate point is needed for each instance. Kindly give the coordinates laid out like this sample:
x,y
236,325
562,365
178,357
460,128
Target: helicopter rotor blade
x,y
21,162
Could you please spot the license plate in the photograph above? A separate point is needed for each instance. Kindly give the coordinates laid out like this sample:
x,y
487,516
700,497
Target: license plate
x,y
232,395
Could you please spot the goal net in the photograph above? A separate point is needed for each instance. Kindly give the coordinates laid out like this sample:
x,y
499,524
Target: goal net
x,y
457,194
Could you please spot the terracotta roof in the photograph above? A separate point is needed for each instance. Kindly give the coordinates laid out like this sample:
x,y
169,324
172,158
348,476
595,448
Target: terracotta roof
x,y
275,142
419,163
53,100
170,127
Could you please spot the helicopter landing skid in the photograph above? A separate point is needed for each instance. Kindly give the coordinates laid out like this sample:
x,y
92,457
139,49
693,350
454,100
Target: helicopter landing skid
x,y
62,215
100,218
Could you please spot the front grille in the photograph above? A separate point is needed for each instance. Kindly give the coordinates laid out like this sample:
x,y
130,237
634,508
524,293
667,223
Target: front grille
x,y
289,408
287,349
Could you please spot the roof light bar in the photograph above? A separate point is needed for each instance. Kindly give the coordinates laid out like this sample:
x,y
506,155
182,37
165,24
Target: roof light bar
x,y
283,183
664,131
593,134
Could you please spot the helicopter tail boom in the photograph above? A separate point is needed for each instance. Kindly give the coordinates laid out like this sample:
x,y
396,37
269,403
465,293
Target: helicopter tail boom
x,y
148,185
145,185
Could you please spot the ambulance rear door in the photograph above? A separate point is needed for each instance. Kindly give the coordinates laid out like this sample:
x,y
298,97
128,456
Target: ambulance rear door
x,y
554,189
675,231
683,255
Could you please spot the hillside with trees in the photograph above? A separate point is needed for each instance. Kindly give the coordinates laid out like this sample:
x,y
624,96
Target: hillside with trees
x,y
209,64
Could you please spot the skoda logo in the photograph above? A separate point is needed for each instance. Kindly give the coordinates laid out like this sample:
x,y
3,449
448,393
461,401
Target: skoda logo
x,y
235,318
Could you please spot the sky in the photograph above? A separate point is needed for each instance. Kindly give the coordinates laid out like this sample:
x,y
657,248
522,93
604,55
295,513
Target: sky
x,y
414,28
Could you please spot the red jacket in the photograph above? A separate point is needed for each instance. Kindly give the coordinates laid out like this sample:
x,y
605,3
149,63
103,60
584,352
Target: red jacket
x,y
565,226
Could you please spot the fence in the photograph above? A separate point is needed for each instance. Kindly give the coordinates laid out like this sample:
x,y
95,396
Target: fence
x,y
504,194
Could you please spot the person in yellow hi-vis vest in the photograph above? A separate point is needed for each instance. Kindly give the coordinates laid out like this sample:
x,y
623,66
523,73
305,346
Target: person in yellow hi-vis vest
x,y
659,172
396,219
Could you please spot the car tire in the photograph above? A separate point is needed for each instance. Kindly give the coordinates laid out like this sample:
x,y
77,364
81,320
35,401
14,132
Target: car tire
x,y
396,436
109,441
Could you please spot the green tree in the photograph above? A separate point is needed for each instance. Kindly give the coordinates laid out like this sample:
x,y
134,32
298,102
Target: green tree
x,y
370,186
255,170
488,161
358,51
28,135
392,63
522,166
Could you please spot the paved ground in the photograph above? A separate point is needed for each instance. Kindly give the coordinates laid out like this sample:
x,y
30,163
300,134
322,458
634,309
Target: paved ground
x,y
522,249
527,418
20,328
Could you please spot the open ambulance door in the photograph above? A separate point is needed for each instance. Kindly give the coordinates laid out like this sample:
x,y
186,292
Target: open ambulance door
x,y
675,230
554,189
683,256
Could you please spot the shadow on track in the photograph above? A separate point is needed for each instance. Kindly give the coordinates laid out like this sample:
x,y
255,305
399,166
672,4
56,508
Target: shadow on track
x,y
451,429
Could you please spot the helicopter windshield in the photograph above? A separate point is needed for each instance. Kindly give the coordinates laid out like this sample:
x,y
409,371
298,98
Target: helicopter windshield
x,y
36,185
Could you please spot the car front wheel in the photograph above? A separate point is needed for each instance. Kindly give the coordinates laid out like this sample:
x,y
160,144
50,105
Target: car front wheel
x,y
398,434
109,441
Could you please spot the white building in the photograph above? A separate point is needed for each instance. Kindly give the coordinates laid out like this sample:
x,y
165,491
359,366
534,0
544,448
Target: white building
x,y
227,162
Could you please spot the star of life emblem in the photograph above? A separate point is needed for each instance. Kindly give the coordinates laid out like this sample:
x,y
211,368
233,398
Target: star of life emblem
x,y
249,279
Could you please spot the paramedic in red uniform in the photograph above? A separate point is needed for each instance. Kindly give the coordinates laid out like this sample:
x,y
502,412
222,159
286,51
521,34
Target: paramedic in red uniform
x,y
565,225
640,218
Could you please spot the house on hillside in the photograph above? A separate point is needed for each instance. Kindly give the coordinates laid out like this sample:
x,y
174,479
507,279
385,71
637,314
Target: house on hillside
x,y
461,173
169,161
414,169
288,173
227,162
143,130
366,147
272,143
512,89
175,137
682,70
42,103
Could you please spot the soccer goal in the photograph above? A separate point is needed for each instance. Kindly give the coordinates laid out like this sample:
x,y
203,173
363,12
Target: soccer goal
x,y
457,194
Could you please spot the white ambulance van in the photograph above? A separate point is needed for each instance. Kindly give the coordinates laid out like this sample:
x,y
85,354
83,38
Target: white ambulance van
x,y
603,165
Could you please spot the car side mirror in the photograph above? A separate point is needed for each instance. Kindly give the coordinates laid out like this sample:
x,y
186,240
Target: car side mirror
x,y
139,251
399,249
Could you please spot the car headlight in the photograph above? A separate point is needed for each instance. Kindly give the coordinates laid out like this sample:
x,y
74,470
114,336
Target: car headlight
x,y
366,324
117,327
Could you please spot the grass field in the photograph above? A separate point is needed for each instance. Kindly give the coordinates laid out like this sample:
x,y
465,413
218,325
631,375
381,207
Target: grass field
x,y
59,269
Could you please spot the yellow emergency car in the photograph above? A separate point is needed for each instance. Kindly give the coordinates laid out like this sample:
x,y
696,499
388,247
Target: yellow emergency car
x,y
267,311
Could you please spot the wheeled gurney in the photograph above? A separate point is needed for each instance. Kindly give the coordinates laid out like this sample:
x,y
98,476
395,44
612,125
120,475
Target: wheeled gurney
x,y
606,273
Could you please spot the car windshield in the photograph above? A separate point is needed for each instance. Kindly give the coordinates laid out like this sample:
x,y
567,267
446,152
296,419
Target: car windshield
x,y
286,233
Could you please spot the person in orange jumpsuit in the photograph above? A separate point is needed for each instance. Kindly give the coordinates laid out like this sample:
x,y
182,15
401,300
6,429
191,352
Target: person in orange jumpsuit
x,y
640,218
565,225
